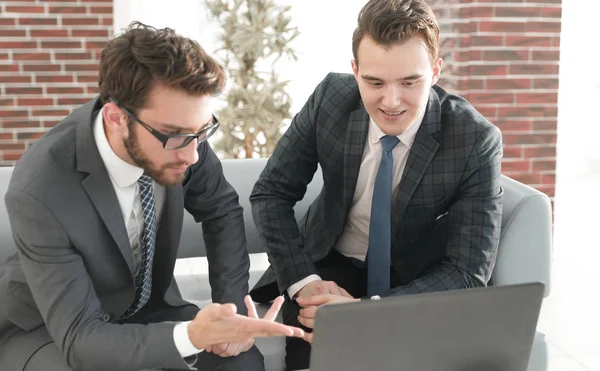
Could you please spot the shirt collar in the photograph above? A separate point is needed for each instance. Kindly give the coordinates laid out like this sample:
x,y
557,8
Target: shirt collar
x,y
121,172
407,138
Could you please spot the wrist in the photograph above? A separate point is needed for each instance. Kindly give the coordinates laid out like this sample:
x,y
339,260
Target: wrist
x,y
195,335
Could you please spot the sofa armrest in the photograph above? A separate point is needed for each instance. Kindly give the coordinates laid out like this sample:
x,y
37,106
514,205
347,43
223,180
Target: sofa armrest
x,y
524,253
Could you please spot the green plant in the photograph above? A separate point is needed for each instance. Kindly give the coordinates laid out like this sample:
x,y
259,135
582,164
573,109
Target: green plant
x,y
255,35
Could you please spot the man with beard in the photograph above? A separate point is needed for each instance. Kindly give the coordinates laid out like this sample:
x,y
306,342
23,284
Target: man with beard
x,y
96,208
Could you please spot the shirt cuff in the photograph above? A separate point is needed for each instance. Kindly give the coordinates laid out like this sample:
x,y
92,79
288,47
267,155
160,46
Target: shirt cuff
x,y
293,290
182,340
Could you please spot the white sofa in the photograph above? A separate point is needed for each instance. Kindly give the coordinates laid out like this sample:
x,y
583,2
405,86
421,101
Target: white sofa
x,y
523,256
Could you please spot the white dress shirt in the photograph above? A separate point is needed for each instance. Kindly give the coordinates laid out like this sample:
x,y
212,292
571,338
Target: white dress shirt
x,y
354,241
124,178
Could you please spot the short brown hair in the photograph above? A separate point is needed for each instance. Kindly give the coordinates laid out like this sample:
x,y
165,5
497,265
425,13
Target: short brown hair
x,y
134,61
389,22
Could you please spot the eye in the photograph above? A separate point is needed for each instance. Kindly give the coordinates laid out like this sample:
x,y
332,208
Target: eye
x,y
375,83
409,83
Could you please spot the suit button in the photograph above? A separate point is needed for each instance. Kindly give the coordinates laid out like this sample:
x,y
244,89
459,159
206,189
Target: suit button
x,y
106,318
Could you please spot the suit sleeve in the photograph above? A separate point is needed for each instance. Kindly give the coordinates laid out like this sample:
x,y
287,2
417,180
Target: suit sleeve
x,y
64,294
215,203
282,183
474,221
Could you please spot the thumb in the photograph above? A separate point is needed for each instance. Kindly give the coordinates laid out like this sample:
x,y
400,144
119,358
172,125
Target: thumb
x,y
217,311
228,310
315,300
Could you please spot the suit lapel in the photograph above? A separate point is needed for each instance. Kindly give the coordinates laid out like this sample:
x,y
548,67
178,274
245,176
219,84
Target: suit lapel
x,y
97,184
421,154
356,135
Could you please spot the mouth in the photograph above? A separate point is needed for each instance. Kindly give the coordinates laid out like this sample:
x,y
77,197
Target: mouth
x,y
392,115
178,169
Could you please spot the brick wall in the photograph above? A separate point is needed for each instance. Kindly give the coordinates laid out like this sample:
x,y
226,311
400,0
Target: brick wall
x,y
503,56
49,52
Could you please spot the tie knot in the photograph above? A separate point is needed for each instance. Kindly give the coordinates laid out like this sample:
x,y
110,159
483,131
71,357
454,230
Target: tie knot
x,y
388,142
145,181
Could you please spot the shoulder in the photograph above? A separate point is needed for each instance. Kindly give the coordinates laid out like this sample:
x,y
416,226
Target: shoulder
x,y
337,94
341,84
460,118
48,161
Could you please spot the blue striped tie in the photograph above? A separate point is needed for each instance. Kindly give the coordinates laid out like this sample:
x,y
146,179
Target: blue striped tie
x,y
380,226
143,280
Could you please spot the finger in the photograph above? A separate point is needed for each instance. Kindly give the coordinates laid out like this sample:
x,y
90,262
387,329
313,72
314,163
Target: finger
x,y
346,293
314,300
308,337
244,346
333,288
308,312
251,327
228,310
216,311
212,312
219,348
271,314
310,323
232,350
251,307
249,345
298,333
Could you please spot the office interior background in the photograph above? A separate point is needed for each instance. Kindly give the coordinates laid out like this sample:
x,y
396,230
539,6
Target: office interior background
x,y
528,65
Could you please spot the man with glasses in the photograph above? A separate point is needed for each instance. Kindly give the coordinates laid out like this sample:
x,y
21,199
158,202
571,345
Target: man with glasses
x,y
96,208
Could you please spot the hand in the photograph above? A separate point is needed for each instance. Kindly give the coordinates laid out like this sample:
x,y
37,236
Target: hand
x,y
310,306
220,324
234,349
322,287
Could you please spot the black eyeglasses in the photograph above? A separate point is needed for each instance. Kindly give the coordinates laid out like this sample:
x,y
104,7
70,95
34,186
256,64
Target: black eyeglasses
x,y
174,141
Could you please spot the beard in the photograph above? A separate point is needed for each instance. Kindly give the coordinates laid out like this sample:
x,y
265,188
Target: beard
x,y
160,174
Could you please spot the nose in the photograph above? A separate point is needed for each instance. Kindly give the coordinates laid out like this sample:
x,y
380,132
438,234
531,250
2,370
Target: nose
x,y
392,97
189,153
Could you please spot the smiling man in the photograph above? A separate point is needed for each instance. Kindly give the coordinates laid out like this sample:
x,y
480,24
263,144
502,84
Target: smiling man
x,y
96,209
411,201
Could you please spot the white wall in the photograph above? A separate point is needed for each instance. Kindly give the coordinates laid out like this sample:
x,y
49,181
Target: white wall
x,y
579,95
182,15
578,169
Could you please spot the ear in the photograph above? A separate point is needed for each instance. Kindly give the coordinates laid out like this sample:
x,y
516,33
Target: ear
x,y
437,71
354,68
115,120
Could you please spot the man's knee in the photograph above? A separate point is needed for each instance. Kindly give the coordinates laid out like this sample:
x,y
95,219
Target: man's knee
x,y
47,358
297,354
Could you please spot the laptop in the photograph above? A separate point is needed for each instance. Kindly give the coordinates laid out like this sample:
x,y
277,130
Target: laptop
x,y
482,329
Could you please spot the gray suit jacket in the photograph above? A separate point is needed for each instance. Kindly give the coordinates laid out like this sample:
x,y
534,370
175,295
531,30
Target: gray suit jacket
x,y
72,276
447,212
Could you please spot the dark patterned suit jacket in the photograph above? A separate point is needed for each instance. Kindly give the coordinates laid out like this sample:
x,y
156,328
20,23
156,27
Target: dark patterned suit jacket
x,y
446,213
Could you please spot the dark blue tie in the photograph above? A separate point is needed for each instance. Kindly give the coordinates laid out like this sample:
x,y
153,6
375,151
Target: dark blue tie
x,y
380,234
143,280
